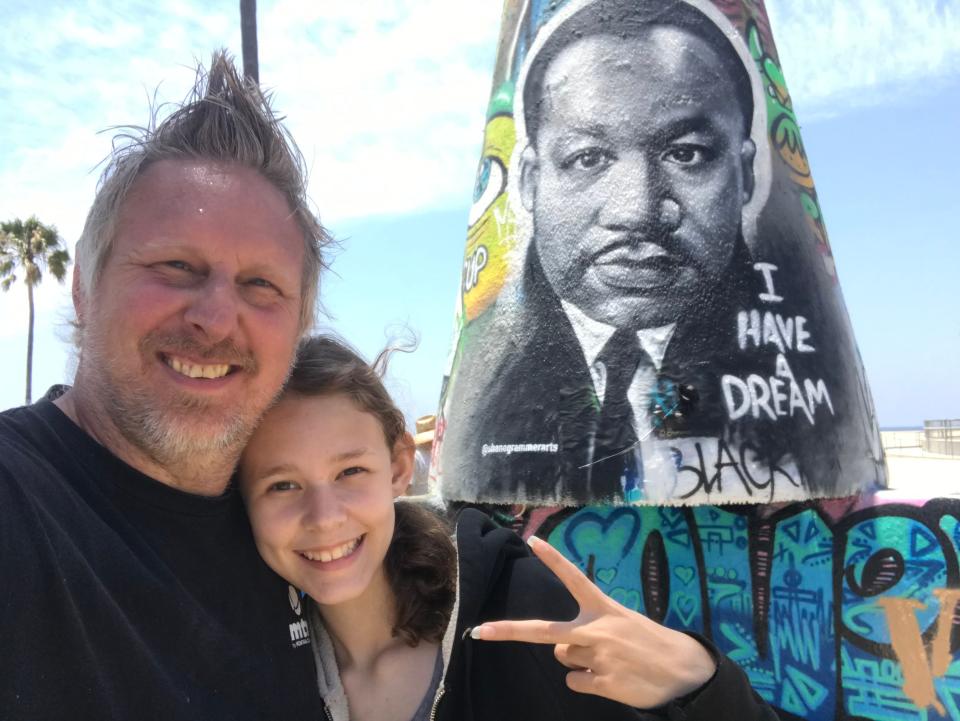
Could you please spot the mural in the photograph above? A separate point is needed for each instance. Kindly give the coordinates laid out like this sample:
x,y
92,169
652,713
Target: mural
x,y
649,311
843,609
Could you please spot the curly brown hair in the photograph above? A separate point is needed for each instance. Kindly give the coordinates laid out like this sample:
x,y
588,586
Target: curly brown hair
x,y
421,563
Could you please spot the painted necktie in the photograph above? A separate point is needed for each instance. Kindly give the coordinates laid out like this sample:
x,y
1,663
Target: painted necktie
x,y
621,357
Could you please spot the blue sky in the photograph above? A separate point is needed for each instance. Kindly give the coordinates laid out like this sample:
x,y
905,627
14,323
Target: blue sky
x,y
387,103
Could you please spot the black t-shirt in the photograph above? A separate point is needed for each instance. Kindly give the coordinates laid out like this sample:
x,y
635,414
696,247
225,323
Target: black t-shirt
x,y
123,598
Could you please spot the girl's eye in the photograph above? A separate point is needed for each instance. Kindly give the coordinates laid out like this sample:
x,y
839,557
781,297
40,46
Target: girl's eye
x,y
279,486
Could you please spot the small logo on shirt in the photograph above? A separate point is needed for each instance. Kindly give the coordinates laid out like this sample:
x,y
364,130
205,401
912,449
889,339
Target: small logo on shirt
x,y
299,630
294,596
299,634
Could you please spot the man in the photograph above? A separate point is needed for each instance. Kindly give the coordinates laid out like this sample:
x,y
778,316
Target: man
x,y
636,162
131,585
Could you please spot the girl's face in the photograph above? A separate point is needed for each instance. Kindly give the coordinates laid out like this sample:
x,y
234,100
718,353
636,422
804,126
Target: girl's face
x,y
319,481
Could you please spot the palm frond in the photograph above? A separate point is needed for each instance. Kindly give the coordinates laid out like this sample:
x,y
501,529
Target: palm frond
x,y
33,247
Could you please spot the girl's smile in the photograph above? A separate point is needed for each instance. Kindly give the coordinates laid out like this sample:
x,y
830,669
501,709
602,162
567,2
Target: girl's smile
x,y
319,480
334,553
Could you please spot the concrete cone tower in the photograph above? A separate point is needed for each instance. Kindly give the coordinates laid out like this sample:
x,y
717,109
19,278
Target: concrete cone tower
x,y
649,311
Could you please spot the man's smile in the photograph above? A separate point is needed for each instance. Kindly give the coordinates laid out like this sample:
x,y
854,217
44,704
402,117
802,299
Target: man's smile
x,y
197,370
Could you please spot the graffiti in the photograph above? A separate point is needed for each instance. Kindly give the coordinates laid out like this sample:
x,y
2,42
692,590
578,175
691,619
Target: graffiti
x,y
490,233
772,329
782,394
472,267
831,615
907,642
714,461
641,289
784,132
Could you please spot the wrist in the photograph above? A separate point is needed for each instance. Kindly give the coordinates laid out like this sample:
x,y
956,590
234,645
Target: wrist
x,y
696,664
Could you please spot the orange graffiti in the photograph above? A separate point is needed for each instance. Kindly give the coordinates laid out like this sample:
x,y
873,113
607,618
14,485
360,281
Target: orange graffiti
x,y
940,648
907,642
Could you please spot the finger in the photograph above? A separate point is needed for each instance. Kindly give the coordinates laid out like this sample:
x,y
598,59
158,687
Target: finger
x,y
552,632
581,588
574,657
585,682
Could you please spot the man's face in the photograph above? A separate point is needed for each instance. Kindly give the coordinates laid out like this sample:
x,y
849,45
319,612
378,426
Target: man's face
x,y
191,328
639,174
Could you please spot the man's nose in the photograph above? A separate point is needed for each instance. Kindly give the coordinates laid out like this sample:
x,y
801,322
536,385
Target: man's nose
x,y
638,197
213,312
323,510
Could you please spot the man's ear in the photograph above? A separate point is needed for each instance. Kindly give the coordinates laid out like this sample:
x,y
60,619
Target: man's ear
x,y
529,177
402,464
748,151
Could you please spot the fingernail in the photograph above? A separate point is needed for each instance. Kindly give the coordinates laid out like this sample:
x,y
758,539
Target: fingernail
x,y
475,633
532,541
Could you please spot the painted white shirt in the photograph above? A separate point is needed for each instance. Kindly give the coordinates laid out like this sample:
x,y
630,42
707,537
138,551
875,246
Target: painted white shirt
x,y
670,465
593,335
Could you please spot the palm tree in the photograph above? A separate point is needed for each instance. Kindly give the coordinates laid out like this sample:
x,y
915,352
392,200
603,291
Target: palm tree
x,y
30,246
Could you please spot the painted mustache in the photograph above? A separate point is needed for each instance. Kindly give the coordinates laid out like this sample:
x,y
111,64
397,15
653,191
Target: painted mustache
x,y
639,265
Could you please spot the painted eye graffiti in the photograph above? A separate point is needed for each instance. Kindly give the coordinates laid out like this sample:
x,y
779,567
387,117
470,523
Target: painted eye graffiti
x,y
588,159
688,155
491,182
881,572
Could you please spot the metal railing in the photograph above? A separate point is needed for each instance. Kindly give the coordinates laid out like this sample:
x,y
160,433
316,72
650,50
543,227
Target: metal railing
x,y
942,437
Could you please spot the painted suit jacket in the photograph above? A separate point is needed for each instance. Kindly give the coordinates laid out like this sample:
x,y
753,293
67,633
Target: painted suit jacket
x,y
541,393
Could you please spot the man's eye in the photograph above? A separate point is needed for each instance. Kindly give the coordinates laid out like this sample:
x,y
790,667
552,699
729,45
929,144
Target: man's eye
x,y
261,283
588,159
179,265
688,154
280,486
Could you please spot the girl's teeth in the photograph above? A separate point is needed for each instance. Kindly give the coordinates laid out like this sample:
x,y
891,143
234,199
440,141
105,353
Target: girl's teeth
x,y
332,554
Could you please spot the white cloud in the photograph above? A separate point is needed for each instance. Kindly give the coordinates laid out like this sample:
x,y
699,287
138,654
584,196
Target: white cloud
x,y
387,102
854,53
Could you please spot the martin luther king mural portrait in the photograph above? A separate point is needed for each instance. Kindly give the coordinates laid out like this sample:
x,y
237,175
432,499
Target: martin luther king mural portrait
x,y
649,311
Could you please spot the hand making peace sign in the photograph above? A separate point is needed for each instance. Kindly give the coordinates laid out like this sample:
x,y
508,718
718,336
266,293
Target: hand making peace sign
x,y
613,652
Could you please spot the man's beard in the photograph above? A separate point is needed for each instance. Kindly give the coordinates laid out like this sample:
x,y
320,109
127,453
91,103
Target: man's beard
x,y
162,434
176,428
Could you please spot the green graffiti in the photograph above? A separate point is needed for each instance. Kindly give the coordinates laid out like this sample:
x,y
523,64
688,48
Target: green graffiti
x,y
784,132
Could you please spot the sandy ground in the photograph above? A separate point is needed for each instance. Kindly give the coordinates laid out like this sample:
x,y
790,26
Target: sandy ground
x,y
911,471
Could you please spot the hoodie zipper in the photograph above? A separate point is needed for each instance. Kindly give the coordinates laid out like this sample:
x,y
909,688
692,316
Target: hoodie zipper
x,y
326,712
436,703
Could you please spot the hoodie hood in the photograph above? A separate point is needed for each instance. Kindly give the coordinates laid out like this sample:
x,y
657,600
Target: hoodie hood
x,y
328,674
487,557
484,549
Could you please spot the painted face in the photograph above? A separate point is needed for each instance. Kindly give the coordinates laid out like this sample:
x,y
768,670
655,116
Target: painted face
x,y
319,481
641,168
190,331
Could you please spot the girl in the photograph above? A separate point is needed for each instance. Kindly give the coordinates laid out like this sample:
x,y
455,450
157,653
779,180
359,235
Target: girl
x,y
400,617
